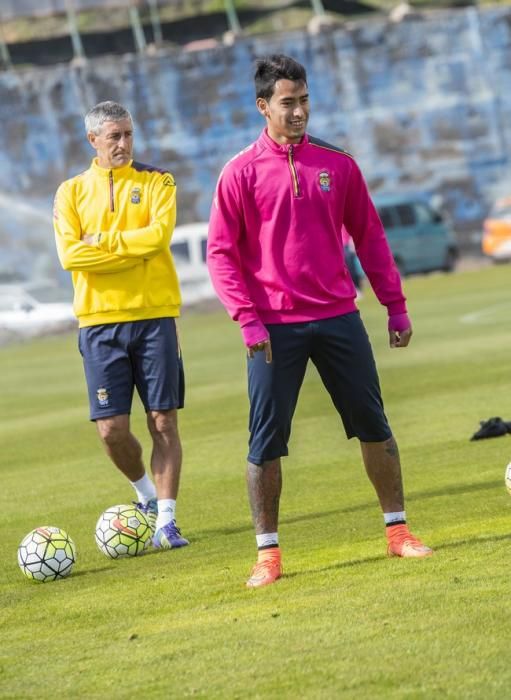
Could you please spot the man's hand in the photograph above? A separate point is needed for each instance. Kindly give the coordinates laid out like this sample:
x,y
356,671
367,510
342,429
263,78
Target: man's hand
x,y
256,339
400,330
259,347
400,339
91,239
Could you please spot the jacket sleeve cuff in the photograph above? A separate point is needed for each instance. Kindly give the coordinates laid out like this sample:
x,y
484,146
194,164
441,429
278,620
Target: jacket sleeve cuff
x,y
399,323
396,307
254,332
101,241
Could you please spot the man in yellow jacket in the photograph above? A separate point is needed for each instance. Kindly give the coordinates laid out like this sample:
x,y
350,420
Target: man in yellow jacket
x,y
113,225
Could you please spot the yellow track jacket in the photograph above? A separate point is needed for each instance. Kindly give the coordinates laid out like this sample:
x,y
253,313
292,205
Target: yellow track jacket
x,y
129,274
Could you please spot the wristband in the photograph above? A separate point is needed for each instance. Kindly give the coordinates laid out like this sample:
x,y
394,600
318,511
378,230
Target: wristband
x,y
254,332
399,322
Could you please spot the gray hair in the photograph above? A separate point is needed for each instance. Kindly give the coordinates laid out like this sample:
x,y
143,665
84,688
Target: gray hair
x,y
105,112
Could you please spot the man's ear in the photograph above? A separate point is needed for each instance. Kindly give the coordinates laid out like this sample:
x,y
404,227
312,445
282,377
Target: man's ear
x,y
262,106
91,137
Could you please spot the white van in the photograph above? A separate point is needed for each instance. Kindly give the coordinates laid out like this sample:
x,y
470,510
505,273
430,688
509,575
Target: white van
x,y
188,248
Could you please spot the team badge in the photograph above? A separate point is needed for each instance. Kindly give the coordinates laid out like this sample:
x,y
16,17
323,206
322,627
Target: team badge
x,y
324,181
135,195
103,397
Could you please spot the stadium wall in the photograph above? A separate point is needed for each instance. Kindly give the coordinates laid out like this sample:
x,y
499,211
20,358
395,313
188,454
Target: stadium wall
x,y
424,104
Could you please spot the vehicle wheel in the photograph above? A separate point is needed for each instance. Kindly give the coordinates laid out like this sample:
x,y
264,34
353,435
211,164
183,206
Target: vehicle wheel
x,y
450,260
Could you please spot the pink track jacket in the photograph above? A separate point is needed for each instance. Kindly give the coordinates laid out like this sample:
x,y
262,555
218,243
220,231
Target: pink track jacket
x,y
275,249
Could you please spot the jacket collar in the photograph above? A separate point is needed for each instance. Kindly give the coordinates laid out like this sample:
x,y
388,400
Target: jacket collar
x,y
105,172
265,141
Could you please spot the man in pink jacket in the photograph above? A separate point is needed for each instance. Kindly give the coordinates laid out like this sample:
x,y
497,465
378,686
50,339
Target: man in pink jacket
x,y
275,255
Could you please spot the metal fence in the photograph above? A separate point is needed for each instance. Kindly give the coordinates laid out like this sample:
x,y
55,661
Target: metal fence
x,y
11,10
14,9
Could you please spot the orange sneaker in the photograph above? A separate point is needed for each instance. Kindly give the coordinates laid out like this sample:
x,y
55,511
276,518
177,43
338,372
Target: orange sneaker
x,y
268,568
401,543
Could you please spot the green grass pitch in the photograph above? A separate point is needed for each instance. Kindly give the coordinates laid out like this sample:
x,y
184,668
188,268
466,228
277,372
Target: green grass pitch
x,y
345,621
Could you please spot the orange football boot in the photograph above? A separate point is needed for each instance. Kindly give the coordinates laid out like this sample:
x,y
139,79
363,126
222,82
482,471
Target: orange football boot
x,y
268,568
401,543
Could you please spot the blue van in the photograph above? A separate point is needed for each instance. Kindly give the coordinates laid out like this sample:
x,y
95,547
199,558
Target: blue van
x,y
418,236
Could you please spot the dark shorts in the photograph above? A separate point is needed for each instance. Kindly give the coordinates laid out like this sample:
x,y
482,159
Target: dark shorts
x,y
117,357
340,349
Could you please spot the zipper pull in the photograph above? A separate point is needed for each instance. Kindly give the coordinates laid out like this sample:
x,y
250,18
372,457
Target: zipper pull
x,y
112,200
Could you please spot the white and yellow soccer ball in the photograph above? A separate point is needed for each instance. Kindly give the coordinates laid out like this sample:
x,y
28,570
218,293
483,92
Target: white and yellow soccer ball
x,y
46,554
507,478
122,531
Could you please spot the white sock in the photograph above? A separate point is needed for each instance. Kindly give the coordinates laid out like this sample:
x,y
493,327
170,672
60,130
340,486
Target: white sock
x,y
166,512
144,488
393,518
269,539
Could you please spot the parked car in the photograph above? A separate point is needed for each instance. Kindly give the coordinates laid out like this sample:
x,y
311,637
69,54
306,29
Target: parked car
x,y
496,241
418,236
29,309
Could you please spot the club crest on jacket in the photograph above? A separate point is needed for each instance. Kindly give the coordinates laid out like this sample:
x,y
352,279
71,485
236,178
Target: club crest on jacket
x,y
324,180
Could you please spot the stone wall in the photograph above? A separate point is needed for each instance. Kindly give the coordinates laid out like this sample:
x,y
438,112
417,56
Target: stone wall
x,y
424,104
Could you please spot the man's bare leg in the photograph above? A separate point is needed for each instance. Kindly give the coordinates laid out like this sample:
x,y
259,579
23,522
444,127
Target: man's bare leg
x,y
381,460
121,445
166,460
264,483
167,454
383,467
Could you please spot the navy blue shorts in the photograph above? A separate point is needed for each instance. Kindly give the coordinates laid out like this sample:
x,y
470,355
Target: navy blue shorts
x,y
342,353
117,357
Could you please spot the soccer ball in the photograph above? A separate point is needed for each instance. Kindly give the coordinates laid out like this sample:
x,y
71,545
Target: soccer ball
x,y
507,478
46,554
122,531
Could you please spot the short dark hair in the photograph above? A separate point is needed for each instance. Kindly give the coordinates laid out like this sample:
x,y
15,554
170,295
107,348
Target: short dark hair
x,y
276,67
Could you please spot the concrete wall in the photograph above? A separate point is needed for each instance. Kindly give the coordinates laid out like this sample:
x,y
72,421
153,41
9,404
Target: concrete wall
x,y
423,105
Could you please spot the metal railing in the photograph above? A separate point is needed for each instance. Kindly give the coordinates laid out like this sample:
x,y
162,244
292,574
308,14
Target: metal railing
x,y
15,9
12,10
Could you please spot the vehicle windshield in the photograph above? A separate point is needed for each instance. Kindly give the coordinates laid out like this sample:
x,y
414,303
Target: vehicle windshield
x,y
181,252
